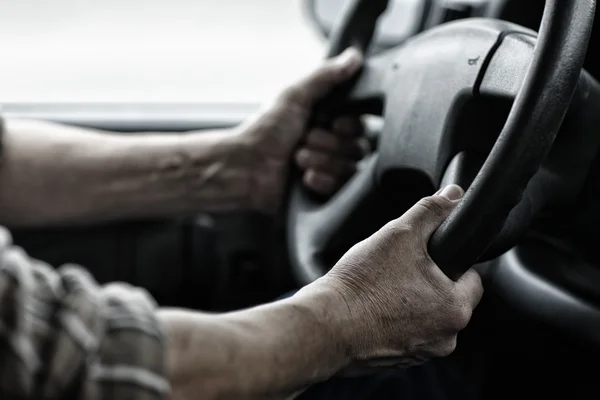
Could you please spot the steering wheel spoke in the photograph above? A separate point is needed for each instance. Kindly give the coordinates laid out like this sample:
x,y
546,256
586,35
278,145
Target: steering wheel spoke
x,y
315,227
368,93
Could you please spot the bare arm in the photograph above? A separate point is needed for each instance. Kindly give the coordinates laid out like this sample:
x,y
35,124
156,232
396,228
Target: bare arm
x,y
268,352
55,174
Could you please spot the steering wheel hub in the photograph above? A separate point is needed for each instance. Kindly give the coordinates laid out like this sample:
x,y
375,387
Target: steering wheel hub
x,y
427,82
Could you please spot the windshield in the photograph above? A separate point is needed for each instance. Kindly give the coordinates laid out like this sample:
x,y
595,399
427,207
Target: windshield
x,y
226,51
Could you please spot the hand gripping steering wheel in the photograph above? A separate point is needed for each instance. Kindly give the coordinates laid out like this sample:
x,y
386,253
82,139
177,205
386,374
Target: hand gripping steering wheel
x,y
419,88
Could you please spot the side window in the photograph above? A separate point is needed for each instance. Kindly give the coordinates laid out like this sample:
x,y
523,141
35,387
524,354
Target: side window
x,y
226,51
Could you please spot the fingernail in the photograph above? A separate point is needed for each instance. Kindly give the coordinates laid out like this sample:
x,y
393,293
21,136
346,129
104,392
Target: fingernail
x,y
452,192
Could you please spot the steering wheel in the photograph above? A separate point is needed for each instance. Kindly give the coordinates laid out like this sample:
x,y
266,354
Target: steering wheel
x,y
419,88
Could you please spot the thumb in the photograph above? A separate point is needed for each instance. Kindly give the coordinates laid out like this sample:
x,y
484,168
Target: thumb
x,y
332,73
471,287
429,213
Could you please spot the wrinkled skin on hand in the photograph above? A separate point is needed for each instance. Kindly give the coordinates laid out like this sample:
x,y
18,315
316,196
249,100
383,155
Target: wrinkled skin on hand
x,y
397,308
278,135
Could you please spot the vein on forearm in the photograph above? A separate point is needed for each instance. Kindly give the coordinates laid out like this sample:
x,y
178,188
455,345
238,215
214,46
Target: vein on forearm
x,y
54,174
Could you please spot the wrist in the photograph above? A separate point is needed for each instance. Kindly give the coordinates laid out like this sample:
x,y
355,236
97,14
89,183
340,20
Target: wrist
x,y
330,313
221,176
251,163
263,170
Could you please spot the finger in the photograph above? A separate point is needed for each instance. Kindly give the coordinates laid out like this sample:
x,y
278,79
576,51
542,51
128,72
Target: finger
x,y
323,140
348,126
470,284
320,182
5,238
332,73
324,162
429,213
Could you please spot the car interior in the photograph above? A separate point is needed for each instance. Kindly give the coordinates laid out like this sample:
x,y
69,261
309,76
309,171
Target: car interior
x,y
474,96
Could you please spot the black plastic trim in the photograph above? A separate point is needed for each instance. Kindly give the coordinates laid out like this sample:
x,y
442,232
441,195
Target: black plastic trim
x,y
541,299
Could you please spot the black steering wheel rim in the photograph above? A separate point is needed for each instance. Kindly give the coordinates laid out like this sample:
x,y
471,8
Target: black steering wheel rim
x,y
496,192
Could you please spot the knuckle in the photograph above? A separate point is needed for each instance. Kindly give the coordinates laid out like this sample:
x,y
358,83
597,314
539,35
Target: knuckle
x,y
311,179
397,232
447,347
307,179
460,317
311,158
302,157
363,146
433,205
318,182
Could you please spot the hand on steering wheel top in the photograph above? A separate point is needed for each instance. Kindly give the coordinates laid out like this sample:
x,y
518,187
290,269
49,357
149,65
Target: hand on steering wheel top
x,y
280,133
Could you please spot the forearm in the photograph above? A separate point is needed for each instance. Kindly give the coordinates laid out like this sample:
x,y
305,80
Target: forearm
x,y
55,174
266,352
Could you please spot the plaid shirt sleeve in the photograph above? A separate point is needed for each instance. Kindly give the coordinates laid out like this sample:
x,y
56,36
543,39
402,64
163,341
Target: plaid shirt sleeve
x,y
63,336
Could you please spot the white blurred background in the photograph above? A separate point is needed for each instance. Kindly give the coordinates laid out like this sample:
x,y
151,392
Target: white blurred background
x,y
231,51
165,51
